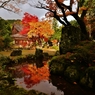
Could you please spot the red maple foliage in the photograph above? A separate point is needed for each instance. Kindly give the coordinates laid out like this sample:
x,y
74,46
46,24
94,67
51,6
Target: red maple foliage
x,y
26,20
29,18
25,30
37,31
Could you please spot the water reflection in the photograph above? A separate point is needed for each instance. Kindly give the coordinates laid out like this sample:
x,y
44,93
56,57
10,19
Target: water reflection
x,y
36,78
29,77
44,86
68,88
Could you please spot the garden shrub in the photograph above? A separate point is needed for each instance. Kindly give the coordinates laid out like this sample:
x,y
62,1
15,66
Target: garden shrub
x,y
7,86
17,52
14,90
79,59
88,80
57,53
20,59
33,92
5,79
58,64
30,58
71,74
4,61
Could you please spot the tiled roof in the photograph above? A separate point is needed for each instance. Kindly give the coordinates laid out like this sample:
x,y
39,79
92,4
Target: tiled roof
x,y
18,27
18,36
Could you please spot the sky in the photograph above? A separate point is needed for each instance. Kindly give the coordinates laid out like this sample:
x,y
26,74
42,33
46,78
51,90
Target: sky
x,y
25,8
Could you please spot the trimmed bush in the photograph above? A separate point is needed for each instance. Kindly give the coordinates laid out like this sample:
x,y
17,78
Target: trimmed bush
x,y
88,80
71,74
58,64
4,60
30,58
20,59
17,52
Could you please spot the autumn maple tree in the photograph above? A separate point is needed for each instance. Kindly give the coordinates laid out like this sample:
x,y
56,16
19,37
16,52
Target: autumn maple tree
x,y
60,10
36,29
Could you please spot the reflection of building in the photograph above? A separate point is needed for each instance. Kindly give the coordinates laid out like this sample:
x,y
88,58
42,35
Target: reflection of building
x,y
20,41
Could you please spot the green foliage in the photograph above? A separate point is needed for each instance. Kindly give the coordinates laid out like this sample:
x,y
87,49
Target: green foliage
x,y
55,47
70,36
87,45
6,79
13,90
7,86
88,80
1,43
30,58
33,92
20,60
5,32
17,52
57,29
7,40
83,54
81,2
2,23
4,27
55,24
71,74
4,60
57,65
76,65
74,23
57,34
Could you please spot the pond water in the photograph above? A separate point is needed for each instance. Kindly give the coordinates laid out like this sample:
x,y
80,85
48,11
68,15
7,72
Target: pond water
x,y
44,86
43,82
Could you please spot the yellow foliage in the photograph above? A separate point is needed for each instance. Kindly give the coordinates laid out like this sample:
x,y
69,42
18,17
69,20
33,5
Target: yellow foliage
x,y
83,8
40,28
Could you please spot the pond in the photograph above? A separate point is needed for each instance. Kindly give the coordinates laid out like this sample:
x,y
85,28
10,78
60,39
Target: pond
x,y
44,86
29,77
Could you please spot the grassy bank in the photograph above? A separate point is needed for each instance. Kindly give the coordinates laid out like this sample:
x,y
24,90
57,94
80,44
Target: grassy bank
x,y
26,52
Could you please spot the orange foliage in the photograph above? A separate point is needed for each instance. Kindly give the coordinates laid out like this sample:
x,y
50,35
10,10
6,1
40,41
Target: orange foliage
x,y
83,8
26,20
36,29
42,28
60,1
54,41
34,75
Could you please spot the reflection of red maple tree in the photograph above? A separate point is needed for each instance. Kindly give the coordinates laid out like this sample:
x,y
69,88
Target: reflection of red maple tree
x,y
34,75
